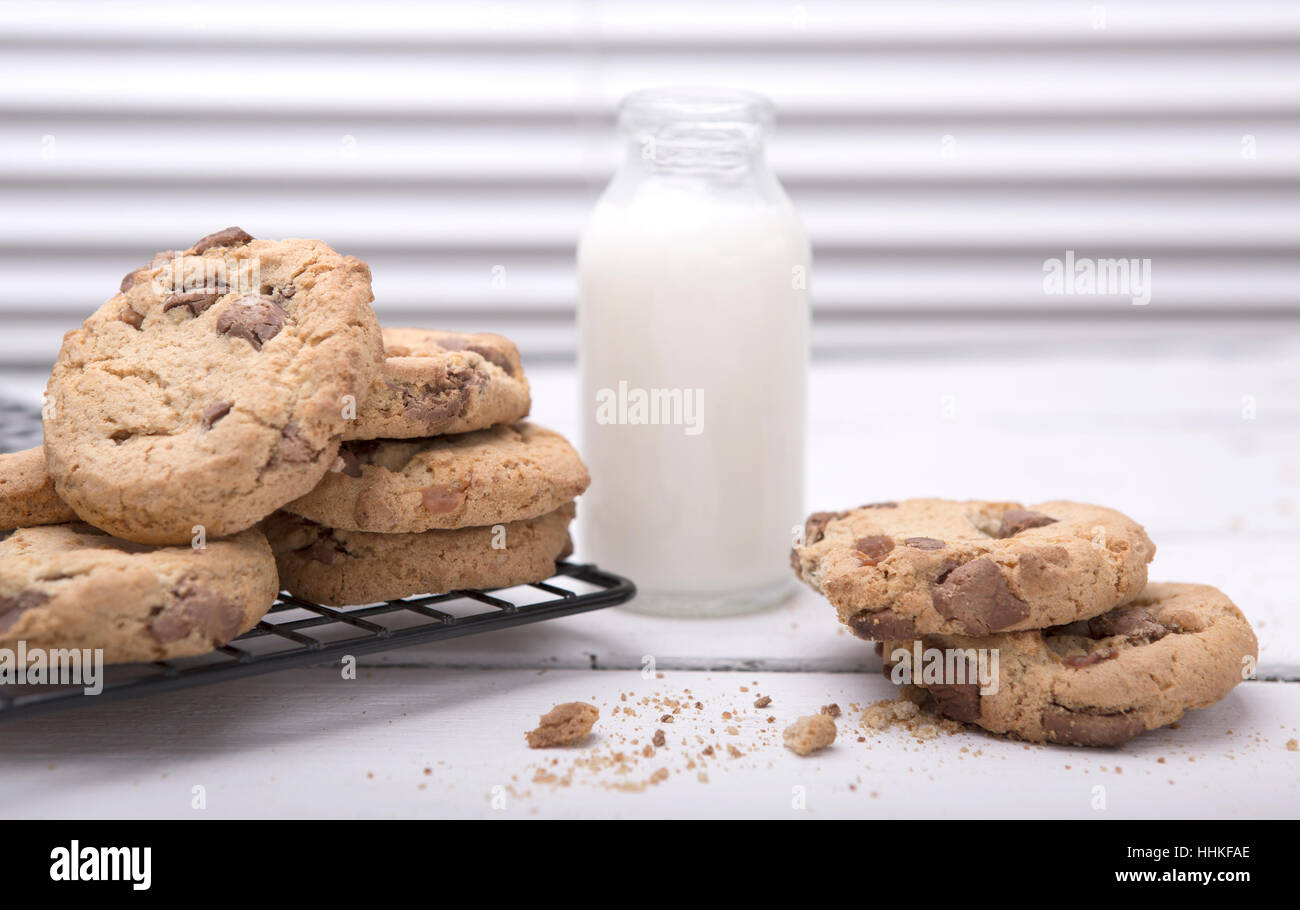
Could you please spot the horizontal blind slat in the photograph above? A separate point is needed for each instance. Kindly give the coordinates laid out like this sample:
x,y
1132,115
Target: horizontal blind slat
x,y
440,140
727,24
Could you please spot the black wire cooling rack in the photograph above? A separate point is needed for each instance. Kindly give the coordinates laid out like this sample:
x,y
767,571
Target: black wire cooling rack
x,y
296,632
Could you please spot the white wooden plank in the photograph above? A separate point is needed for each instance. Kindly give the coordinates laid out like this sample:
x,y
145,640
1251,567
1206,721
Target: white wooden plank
x,y
307,744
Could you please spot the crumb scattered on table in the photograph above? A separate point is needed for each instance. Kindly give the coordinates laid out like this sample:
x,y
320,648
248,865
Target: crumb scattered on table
x,y
810,733
563,725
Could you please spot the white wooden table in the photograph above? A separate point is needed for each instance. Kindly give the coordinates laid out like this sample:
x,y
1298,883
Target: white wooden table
x,y
1199,440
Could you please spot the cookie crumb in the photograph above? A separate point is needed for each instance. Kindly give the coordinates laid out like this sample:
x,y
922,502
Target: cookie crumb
x,y
658,739
810,733
831,710
763,702
883,714
1292,745
565,724
905,710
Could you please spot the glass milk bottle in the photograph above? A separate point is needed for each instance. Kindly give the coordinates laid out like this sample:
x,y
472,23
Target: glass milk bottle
x,y
693,317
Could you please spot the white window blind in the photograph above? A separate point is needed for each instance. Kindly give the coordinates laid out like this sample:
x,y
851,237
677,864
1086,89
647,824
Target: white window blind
x,y
938,152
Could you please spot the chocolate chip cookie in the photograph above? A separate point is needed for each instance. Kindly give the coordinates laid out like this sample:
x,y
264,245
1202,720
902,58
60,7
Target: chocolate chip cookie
x,y
27,496
213,389
73,586
1102,681
923,566
392,486
435,383
352,567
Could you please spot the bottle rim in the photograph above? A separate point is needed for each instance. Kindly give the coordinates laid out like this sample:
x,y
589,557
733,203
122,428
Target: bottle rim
x,y
702,107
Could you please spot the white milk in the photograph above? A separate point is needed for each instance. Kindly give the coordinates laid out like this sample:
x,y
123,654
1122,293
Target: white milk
x,y
693,319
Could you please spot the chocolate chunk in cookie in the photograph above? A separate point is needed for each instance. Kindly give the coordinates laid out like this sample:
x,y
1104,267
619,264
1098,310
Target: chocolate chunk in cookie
x,y
14,606
977,596
216,618
873,549
293,448
960,701
253,318
196,301
1084,728
213,412
880,626
1079,661
1016,520
129,280
132,318
815,527
442,498
1135,624
923,543
231,236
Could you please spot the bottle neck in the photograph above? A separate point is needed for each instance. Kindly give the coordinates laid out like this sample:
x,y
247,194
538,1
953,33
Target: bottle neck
x,y
725,156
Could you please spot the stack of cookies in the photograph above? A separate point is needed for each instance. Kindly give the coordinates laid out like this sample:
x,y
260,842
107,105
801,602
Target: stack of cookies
x,y
440,485
1031,621
240,377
